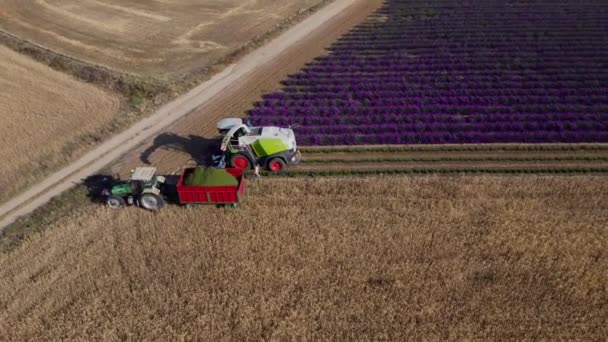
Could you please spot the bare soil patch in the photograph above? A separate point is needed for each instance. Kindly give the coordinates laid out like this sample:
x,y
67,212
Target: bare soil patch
x,y
394,258
150,38
46,118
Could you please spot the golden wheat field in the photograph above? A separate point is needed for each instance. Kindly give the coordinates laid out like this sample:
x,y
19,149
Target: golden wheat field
x,y
154,38
378,258
45,116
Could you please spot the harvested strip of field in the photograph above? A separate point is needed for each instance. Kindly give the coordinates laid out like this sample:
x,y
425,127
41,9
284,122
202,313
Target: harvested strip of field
x,y
455,165
396,258
154,38
456,148
465,158
456,157
46,117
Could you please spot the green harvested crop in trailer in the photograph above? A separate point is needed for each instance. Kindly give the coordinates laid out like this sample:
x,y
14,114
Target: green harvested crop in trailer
x,y
210,177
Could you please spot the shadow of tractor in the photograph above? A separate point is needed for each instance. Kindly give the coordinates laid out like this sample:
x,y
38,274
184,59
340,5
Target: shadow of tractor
x,y
96,184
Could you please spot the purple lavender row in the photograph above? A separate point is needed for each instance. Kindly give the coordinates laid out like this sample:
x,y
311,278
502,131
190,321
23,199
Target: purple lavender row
x,y
382,118
449,71
549,126
464,138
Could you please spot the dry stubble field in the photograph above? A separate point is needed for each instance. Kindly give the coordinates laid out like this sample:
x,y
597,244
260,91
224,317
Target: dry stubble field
x,y
45,117
385,258
154,38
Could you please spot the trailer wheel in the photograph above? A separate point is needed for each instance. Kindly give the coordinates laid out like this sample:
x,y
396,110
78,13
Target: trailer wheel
x,y
115,202
276,165
151,201
240,162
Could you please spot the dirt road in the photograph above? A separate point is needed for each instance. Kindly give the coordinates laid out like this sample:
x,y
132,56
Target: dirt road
x,y
228,93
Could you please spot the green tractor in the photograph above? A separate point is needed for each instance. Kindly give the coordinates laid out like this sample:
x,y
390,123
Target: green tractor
x,y
269,147
142,189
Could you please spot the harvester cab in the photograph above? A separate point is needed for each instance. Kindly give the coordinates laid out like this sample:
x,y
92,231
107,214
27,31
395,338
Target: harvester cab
x,y
143,189
270,147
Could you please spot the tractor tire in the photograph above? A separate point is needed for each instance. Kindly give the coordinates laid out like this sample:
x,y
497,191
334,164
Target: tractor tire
x,y
115,202
239,161
276,165
151,201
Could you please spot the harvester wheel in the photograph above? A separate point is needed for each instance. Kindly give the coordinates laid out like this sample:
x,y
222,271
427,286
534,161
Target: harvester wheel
x,y
276,165
241,162
115,202
151,201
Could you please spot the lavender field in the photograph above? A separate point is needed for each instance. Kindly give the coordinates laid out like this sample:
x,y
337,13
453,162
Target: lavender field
x,y
461,72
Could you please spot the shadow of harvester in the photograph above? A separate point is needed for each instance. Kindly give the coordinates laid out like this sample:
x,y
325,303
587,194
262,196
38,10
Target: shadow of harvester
x,y
199,148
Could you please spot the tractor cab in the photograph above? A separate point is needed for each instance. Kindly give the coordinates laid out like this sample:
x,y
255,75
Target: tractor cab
x,y
144,180
143,189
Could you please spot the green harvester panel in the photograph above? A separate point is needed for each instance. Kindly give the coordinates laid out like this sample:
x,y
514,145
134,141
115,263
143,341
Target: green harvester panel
x,y
264,147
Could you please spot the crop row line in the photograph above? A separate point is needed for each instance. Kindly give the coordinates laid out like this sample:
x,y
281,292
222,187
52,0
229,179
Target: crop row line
x,y
444,148
425,171
456,159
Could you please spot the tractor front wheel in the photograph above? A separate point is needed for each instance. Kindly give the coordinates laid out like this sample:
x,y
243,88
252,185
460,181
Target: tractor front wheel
x,y
276,165
115,202
240,162
151,201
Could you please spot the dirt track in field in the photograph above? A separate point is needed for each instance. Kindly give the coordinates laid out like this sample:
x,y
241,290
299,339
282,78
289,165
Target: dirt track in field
x,y
229,93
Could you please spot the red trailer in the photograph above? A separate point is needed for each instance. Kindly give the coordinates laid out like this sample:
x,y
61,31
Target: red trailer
x,y
226,195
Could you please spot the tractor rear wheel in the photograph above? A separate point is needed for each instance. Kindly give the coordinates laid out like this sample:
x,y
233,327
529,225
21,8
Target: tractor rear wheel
x,y
151,201
115,202
276,165
239,161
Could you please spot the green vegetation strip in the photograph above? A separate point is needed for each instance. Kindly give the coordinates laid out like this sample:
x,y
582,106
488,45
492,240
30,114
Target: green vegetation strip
x,y
454,148
448,159
422,171
210,177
